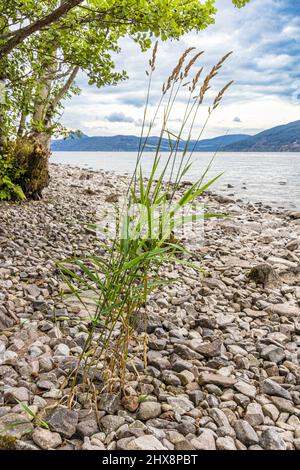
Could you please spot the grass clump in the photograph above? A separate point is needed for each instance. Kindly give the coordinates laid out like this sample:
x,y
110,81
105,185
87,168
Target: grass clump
x,y
146,230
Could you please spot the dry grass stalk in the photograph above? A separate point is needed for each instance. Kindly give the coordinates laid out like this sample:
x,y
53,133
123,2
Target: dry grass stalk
x,y
219,96
196,80
214,71
176,71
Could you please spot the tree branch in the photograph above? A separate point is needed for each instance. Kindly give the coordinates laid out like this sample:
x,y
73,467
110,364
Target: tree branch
x,y
23,33
61,94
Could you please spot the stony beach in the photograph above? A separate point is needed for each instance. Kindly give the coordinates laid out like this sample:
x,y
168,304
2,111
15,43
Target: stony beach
x,y
223,350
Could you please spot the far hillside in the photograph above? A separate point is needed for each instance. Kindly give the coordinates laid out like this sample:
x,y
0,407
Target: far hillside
x,y
284,138
130,143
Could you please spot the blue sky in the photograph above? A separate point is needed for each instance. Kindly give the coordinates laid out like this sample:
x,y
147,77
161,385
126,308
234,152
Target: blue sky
x,y
265,39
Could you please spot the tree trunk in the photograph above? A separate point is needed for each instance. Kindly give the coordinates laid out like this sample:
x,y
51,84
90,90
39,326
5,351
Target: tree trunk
x,y
32,153
38,166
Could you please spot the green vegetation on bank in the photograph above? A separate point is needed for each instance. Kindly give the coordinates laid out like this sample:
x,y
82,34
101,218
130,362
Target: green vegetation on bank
x,y
143,239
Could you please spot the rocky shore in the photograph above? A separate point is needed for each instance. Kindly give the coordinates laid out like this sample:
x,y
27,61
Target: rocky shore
x,y
223,360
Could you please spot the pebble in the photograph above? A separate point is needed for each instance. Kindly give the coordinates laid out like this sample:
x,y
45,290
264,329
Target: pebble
x,y
225,443
62,350
148,410
8,425
246,389
245,433
111,423
130,403
206,441
16,395
46,439
270,387
180,404
88,445
63,421
254,414
271,440
8,358
282,404
271,411
87,428
216,379
109,402
146,442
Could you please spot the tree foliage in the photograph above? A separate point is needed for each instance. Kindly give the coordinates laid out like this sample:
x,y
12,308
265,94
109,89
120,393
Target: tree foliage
x,y
45,44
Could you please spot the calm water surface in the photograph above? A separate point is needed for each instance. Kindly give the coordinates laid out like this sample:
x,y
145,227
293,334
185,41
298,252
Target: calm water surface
x,y
271,178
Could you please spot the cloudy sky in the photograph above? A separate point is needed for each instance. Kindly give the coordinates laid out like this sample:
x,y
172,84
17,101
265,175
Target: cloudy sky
x,y
265,39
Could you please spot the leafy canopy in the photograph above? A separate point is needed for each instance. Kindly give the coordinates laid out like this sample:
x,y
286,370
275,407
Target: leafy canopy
x,y
20,19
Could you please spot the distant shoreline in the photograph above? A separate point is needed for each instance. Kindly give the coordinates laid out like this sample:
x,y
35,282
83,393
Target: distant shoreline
x,y
285,138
